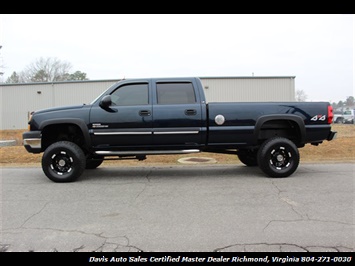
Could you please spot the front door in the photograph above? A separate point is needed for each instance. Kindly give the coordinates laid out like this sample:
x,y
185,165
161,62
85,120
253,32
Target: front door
x,y
127,122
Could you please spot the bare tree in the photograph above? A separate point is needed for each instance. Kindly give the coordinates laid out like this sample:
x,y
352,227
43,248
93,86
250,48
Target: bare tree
x,y
14,78
301,96
46,70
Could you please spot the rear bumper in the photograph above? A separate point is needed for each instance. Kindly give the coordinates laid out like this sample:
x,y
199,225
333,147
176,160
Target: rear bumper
x,y
32,141
332,135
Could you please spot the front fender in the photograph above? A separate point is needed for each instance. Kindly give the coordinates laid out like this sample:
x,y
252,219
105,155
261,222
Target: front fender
x,y
75,121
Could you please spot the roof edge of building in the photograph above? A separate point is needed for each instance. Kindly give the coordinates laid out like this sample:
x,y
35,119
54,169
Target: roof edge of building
x,y
116,80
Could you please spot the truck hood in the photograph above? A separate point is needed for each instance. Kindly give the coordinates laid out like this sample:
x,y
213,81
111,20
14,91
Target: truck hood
x,y
62,108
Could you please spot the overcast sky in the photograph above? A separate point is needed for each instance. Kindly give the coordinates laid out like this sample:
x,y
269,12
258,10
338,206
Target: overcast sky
x,y
317,49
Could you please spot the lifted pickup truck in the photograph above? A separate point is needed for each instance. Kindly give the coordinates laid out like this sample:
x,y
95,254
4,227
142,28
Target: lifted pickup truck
x,y
138,117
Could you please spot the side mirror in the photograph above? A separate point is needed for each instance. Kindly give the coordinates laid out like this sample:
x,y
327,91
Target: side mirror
x,y
106,102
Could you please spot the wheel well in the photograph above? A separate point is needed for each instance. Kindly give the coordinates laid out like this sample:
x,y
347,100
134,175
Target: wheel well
x,y
60,132
280,128
339,119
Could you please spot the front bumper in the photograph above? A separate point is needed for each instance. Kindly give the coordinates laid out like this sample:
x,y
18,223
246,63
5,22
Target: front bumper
x,y
332,135
32,141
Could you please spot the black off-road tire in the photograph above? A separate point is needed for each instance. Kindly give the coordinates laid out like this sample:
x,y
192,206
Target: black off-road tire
x,y
278,157
63,161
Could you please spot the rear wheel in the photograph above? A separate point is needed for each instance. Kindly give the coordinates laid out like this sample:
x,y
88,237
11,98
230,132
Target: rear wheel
x,y
63,161
278,157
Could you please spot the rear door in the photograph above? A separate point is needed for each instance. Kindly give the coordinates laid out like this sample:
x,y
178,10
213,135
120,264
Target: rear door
x,y
177,114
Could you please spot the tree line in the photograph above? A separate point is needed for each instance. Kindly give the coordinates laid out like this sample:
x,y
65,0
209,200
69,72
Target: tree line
x,y
46,70
348,103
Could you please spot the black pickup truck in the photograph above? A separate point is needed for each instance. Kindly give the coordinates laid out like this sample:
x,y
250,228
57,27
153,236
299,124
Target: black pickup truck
x,y
138,117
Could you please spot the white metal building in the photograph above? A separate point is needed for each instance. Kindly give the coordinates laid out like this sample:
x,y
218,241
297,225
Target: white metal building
x,y
249,89
18,100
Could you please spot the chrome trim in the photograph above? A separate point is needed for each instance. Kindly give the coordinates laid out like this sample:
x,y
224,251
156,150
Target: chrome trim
x,y
33,143
175,132
145,133
122,133
146,152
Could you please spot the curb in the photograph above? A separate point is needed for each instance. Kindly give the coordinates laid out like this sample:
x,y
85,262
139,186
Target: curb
x,y
5,143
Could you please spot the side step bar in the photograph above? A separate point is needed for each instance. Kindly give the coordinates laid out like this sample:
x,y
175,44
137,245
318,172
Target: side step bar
x,y
131,153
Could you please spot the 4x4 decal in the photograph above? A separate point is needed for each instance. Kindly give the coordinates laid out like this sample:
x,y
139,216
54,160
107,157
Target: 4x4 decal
x,y
319,118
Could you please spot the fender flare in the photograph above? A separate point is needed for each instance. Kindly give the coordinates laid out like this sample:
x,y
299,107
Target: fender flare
x,y
285,117
74,121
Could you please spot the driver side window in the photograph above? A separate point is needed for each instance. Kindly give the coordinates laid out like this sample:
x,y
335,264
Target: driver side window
x,y
131,94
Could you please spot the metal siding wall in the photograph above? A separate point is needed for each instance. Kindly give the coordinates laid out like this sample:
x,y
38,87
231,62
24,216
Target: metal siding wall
x,y
18,100
249,89
1,109
78,93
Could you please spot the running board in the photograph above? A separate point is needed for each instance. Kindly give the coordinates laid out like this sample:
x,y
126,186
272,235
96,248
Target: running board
x,y
130,153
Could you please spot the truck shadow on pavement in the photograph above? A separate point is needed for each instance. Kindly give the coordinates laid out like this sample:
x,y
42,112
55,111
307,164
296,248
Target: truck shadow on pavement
x,y
170,172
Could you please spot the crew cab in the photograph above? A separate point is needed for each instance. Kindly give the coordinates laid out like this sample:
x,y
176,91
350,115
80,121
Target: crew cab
x,y
138,117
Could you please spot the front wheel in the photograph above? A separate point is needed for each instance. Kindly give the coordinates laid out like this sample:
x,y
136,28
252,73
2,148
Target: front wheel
x,y
63,161
278,157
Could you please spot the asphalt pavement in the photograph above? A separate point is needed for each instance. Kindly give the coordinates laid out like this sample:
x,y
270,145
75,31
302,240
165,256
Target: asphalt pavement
x,y
202,208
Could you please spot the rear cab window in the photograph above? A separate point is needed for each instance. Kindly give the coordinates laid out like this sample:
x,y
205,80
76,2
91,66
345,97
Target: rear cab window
x,y
175,93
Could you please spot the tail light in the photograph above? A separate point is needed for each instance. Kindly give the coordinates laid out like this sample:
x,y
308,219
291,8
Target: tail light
x,y
330,114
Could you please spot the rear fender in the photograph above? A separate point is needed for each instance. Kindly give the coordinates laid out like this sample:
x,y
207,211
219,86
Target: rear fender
x,y
285,117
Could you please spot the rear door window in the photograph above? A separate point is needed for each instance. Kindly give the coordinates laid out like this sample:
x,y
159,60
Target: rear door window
x,y
175,93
